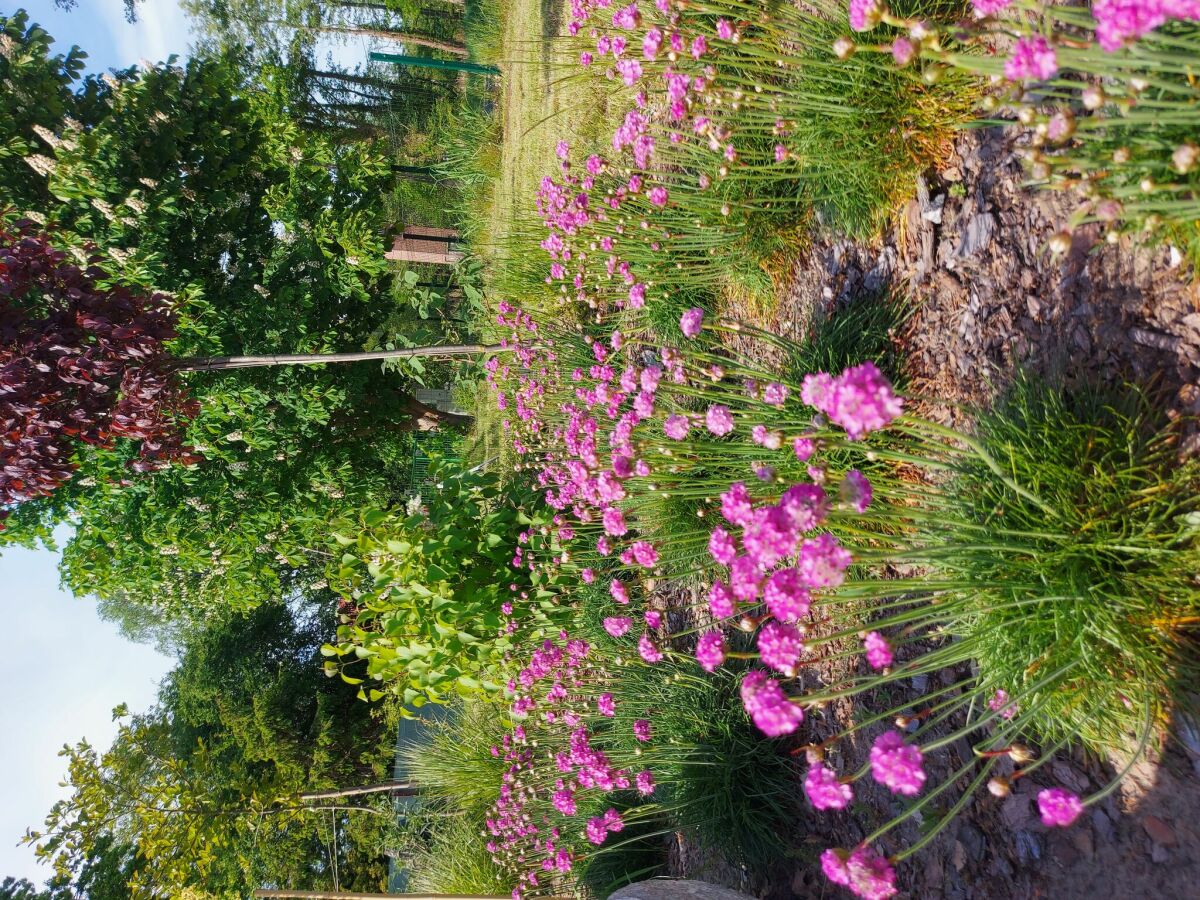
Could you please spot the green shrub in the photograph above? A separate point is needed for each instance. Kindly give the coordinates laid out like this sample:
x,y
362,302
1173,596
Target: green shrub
x,y
426,590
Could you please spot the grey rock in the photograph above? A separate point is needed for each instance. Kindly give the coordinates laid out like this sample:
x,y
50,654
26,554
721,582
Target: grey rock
x,y
933,213
977,235
1029,847
1103,825
675,889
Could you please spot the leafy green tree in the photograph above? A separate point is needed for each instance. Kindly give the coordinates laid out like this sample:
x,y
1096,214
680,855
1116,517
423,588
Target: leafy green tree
x,y
203,791
202,184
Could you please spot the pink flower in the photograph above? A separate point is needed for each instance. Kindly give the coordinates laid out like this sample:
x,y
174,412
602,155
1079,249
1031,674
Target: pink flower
x,y
989,7
651,42
644,553
614,521
699,47
785,595
780,646
823,562
860,399
824,790
637,296
780,153
562,150
855,491
645,782
564,802
720,601
879,651
867,874
721,546
690,322
803,448
902,51
1031,58
617,589
1058,807
676,427
724,30
641,730
1120,21
897,765
710,650
864,15
657,195
736,505
653,618
647,649
999,703
606,705
630,71
597,830
627,17
768,706
775,393
719,420
744,579
617,625
585,58
806,505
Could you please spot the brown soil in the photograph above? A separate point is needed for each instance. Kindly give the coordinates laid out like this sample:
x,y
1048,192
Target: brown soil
x,y
990,299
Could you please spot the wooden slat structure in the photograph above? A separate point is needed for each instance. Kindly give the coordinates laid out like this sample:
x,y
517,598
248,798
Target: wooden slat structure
x,y
421,244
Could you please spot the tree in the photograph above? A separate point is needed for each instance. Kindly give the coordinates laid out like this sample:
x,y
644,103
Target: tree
x,y
268,238
205,790
80,363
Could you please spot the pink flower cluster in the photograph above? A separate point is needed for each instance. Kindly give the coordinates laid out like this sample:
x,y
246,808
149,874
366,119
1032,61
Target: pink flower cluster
x,y
897,765
825,790
1032,59
863,871
551,694
1120,21
1058,807
768,706
860,400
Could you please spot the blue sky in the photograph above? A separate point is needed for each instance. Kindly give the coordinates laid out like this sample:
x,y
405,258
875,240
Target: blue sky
x,y
65,668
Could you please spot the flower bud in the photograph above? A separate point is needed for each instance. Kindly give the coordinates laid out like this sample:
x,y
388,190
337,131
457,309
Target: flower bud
x,y
933,74
1184,158
1019,753
999,787
1137,85
1121,155
1026,115
1093,97
843,48
920,30
1060,243
1113,237
1147,185
1108,210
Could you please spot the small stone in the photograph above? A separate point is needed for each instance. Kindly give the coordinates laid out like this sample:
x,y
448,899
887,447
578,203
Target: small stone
x,y
978,235
933,212
1158,853
959,856
972,840
1029,847
1160,832
1176,258
1103,825
1015,811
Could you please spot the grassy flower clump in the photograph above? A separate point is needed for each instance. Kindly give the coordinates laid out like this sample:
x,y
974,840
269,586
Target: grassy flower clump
x,y
1107,94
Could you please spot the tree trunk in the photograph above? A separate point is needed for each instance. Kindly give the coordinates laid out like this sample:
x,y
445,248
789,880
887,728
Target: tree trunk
x,y
403,788
388,34
216,363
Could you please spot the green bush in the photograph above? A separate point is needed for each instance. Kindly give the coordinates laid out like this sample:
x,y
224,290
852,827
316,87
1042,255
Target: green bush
x,y
426,589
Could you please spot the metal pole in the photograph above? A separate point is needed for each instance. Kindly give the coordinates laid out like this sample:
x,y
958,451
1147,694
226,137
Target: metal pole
x,y
428,62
